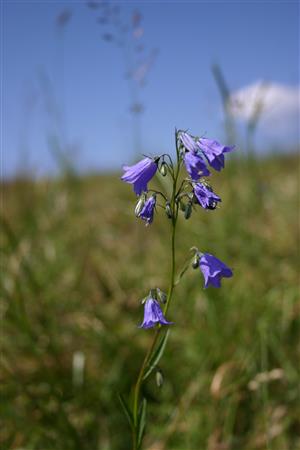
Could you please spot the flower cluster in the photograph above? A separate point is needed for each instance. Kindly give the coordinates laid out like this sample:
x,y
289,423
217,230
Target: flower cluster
x,y
197,150
198,156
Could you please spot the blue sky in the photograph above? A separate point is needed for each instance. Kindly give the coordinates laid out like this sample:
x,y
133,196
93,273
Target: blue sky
x,y
250,40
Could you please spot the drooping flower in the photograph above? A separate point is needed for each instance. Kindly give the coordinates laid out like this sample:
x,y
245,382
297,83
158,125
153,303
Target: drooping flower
x,y
153,314
140,174
214,152
188,142
148,210
206,196
213,270
193,161
195,166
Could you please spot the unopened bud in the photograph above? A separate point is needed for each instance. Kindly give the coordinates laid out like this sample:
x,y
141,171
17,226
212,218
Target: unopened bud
x,y
159,378
195,263
182,205
163,169
188,211
139,205
168,210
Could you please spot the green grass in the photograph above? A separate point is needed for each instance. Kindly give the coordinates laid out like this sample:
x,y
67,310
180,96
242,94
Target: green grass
x,y
76,262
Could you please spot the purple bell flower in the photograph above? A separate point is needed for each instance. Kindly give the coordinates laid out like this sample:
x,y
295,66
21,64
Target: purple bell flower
x,y
214,152
206,196
140,174
213,270
194,163
148,210
153,314
195,166
188,142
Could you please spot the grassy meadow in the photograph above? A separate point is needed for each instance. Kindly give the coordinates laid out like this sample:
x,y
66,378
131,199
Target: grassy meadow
x,y
75,263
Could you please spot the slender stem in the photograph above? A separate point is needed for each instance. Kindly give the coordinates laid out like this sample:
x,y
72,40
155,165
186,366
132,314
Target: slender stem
x,y
158,192
139,381
174,222
173,261
138,387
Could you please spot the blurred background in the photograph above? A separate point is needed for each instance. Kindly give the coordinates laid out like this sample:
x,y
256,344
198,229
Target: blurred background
x,y
87,86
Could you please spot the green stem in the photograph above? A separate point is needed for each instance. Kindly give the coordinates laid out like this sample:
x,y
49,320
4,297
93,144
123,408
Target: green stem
x,y
139,381
173,264
137,389
174,222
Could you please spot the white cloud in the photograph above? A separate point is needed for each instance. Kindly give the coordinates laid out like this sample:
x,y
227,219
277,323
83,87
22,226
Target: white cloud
x,y
277,106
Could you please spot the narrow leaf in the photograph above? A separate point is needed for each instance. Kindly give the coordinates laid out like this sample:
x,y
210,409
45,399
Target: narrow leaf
x,y
126,410
142,421
154,359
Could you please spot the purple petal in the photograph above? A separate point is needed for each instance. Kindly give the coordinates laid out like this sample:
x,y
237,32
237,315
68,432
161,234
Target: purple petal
x,y
188,142
213,269
195,166
214,152
205,196
153,314
147,211
139,174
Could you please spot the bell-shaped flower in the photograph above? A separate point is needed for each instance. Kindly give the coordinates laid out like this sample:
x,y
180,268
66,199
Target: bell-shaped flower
x,y
188,142
193,161
147,211
214,152
140,174
153,314
213,270
195,166
206,196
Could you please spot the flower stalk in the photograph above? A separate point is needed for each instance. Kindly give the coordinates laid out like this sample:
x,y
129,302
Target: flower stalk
x,y
174,208
194,153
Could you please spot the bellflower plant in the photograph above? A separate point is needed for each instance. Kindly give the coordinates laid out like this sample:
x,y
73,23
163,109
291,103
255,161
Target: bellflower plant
x,y
186,193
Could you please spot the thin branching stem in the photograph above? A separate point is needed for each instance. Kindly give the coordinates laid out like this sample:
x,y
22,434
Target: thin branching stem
x,y
158,193
139,381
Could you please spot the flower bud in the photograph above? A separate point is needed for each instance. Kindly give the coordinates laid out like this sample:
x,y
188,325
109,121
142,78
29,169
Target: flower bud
x,y
181,205
195,263
188,211
168,210
159,378
139,205
163,169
